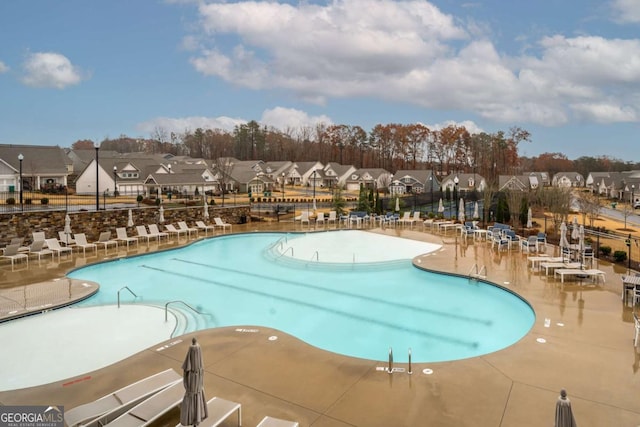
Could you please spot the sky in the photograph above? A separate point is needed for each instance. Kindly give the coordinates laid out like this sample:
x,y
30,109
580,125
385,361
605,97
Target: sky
x,y
567,71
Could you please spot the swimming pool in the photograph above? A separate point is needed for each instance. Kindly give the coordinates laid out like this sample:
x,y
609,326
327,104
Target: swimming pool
x,y
358,311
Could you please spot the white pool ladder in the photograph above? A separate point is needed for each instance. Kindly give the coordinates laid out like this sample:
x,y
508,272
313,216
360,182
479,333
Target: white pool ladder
x,y
477,272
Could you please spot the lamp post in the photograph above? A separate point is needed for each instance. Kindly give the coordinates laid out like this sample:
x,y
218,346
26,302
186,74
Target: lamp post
x,y
97,181
633,188
282,187
455,194
115,181
20,159
314,188
431,187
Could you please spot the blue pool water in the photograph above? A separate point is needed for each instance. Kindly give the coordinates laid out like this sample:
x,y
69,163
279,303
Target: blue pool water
x,y
355,311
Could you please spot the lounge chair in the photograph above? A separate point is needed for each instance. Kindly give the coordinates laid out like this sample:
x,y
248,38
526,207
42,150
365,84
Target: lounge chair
x,y
142,233
111,406
219,410
149,410
104,239
54,245
333,217
530,244
38,235
65,238
121,236
304,218
171,229
37,249
276,422
155,231
218,223
406,218
202,226
320,218
183,226
11,252
81,242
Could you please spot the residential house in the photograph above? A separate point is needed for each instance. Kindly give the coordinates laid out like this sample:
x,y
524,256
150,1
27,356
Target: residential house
x,y
568,180
335,174
42,167
369,178
467,182
414,182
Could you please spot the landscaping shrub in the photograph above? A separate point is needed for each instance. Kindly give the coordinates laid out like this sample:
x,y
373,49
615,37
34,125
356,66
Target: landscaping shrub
x,y
11,201
27,201
44,201
619,256
605,250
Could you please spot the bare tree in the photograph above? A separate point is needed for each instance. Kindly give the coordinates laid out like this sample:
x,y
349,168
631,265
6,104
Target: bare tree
x,y
589,206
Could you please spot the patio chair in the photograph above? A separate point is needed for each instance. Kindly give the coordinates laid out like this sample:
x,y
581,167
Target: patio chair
x,y
542,239
636,321
499,241
587,254
155,231
406,218
529,243
320,219
11,252
182,225
218,411
304,218
37,249
121,236
142,233
81,242
65,238
333,217
276,422
111,406
54,245
202,226
219,223
151,409
104,239
38,235
171,229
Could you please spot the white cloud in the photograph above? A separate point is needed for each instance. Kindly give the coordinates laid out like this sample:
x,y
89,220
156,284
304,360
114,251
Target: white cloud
x,y
469,125
3,67
183,124
52,70
411,52
279,117
626,11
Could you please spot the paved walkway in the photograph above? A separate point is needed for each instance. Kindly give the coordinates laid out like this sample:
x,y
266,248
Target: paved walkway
x,y
582,340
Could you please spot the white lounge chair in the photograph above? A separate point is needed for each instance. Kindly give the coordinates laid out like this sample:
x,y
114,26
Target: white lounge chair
x,y
332,218
142,233
320,219
218,223
406,218
38,235
304,218
171,229
276,422
183,226
104,239
202,226
54,245
218,411
121,236
65,238
11,253
37,249
149,410
155,231
111,406
81,242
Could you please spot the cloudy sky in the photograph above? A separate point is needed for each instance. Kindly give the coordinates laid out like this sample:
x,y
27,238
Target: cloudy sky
x,y
567,71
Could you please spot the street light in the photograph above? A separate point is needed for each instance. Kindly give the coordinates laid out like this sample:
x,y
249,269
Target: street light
x,y
21,158
314,188
97,181
115,181
455,194
431,187
283,187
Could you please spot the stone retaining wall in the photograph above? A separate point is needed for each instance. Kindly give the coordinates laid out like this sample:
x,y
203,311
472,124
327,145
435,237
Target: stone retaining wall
x,y
22,224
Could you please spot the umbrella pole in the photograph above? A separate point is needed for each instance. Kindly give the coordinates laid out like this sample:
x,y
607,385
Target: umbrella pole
x,y
390,368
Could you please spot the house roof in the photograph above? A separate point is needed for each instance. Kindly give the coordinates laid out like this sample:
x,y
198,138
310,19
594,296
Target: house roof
x,y
38,160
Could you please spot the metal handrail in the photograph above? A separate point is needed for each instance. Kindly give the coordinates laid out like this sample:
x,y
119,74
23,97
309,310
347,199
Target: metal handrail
x,y
477,271
166,308
285,251
317,255
127,288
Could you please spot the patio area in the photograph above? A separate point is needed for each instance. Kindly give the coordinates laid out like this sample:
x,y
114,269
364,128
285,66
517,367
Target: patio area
x,y
582,340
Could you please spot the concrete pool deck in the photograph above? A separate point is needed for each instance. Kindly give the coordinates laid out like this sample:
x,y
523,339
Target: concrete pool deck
x,y
588,332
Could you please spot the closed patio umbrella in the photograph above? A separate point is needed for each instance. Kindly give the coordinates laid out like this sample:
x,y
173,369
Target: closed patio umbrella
x,y
476,211
564,243
574,229
161,216
564,413
194,404
581,238
461,213
67,228
397,204
130,221
440,207
206,209
529,218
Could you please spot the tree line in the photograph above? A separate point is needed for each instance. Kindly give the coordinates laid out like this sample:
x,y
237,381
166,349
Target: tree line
x,y
390,146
